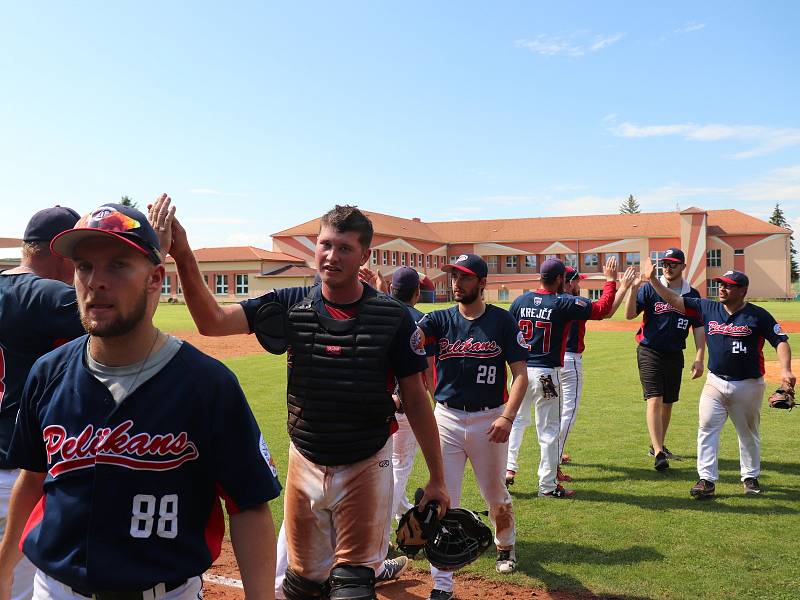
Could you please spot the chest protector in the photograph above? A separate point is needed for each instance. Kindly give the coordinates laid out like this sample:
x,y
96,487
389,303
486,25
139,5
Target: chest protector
x,y
340,410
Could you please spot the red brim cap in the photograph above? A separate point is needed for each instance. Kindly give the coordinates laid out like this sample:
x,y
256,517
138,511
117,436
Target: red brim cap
x,y
675,260
64,243
727,280
449,268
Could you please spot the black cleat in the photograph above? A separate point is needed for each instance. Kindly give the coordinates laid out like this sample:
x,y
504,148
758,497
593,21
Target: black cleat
x,y
703,489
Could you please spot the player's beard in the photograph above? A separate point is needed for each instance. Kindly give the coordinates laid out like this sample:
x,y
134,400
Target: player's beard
x,y
469,298
121,325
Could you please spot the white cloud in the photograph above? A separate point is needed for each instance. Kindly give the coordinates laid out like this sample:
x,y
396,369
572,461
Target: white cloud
x,y
259,240
610,118
690,27
217,220
766,139
463,211
555,45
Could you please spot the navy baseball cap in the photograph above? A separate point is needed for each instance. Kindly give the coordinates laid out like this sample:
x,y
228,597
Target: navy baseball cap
x,y
118,221
675,255
552,268
405,278
734,278
571,274
472,264
49,222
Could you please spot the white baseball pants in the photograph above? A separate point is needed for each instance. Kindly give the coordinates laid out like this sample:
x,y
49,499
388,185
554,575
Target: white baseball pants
x,y
47,588
404,449
548,427
463,436
22,588
571,392
741,401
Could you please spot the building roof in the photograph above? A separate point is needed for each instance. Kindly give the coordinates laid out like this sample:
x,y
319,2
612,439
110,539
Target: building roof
x,y
291,271
585,227
240,253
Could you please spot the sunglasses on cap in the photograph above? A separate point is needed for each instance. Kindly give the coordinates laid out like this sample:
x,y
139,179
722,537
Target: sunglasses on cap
x,y
113,221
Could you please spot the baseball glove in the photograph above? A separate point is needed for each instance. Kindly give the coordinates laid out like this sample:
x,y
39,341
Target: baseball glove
x,y
416,525
782,398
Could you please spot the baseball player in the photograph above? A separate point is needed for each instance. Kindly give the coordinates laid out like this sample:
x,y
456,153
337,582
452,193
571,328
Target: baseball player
x,y
571,374
38,312
544,316
347,343
128,438
473,342
662,338
405,288
735,333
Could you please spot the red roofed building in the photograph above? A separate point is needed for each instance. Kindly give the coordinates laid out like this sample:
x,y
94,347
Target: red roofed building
x,y
714,241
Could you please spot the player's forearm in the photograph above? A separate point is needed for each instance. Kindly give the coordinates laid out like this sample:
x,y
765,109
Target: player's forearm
x,y
253,540
667,295
784,357
603,305
699,343
208,315
519,385
26,493
630,304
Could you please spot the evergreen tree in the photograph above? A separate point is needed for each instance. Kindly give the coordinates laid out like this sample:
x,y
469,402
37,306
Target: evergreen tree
x,y
779,219
630,206
128,201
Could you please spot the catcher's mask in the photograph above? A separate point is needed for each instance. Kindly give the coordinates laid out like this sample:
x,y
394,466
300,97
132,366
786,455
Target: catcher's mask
x,y
460,538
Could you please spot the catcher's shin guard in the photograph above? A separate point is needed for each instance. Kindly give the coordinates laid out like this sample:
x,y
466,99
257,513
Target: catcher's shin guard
x,y
351,582
296,587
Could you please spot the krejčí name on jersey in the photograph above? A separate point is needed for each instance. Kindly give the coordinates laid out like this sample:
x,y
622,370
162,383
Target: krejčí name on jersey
x,y
530,312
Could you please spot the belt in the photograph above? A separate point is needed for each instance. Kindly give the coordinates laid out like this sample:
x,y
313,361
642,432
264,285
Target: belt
x,y
467,408
151,593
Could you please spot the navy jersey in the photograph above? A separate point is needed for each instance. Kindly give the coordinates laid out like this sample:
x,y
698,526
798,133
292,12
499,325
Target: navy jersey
x,y
735,342
545,318
36,316
471,355
663,327
132,492
575,337
404,357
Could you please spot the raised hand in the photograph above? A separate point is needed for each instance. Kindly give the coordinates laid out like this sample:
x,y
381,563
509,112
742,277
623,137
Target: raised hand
x,y
610,269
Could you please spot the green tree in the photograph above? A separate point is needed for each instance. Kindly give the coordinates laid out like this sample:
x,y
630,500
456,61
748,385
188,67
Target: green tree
x,y
630,206
779,219
128,201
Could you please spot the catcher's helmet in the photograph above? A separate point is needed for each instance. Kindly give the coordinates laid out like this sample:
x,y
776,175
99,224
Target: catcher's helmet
x,y
459,538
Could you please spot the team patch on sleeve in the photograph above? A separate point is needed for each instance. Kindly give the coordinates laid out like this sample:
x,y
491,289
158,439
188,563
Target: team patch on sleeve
x,y
521,341
417,342
778,330
580,302
262,445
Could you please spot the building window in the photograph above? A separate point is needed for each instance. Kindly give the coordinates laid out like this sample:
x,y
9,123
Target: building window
x,y
180,289
590,260
739,252
714,258
384,257
571,260
712,288
502,294
428,261
394,258
221,286
549,256
374,260
205,280
594,294
491,262
403,259
655,258
165,287
511,263
631,259
242,283
530,261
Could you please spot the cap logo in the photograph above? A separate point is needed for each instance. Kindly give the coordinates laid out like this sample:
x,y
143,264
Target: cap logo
x,y
462,258
668,253
728,273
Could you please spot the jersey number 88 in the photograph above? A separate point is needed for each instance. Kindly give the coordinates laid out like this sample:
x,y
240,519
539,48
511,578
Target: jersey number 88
x,y
144,509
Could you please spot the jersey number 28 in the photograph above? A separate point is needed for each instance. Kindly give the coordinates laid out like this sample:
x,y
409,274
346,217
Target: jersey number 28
x,y
486,374
144,511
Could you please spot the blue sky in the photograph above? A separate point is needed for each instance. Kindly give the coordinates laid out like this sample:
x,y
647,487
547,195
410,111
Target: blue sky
x,y
258,116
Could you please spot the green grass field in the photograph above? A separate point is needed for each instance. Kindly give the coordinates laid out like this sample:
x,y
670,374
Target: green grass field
x,y
629,531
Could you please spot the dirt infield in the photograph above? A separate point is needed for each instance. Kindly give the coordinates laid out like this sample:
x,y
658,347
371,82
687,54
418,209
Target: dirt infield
x,y
413,585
